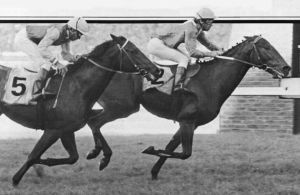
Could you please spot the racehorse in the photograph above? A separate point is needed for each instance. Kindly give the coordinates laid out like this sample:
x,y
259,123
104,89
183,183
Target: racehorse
x,y
209,89
79,89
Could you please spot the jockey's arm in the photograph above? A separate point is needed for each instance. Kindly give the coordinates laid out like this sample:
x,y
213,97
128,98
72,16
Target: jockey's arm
x,y
66,54
191,45
208,44
43,47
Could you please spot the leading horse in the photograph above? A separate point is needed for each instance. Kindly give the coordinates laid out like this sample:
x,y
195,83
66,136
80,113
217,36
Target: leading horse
x,y
209,88
80,88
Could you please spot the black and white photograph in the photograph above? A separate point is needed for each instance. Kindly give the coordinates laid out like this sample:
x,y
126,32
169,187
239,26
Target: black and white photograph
x,y
149,97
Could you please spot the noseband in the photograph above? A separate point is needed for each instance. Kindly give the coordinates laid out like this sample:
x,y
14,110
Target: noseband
x,y
140,71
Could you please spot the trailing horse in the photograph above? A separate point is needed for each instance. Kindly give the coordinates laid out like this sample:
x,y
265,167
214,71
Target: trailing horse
x,y
209,89
79,90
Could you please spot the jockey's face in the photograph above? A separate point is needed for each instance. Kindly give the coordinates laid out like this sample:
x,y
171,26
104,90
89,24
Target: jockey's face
x,y
207,24
74,34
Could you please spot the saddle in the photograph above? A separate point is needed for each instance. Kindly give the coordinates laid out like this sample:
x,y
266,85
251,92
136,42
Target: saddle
x,y
16,85
192,69
168,77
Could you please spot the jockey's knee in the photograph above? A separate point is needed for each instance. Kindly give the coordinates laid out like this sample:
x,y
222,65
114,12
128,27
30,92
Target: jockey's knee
x,y
153,45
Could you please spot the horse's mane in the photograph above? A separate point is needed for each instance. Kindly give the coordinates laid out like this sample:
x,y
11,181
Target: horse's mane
x,y
98,52
239,44
100,49
234,47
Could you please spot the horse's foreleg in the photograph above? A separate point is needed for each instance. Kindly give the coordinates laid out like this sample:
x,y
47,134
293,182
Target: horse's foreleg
x,y
171,146
187,134
69,143
48,138
95,116
180,136
97,120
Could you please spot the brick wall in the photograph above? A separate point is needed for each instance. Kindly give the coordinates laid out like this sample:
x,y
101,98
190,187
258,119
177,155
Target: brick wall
x,y
252,113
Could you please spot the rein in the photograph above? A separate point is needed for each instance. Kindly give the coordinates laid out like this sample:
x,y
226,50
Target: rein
x,y
121,48
105,68
259,66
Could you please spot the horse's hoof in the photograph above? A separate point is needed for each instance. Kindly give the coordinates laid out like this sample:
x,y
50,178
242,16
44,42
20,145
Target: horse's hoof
x,y
154,177
103,163
15,182
93,154
149,150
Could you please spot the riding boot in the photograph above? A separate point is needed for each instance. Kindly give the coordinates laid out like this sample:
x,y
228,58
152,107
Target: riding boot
x,y
39,85
179,78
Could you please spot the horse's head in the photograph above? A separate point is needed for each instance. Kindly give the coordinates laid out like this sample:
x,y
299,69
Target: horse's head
x,y
267,57
130,54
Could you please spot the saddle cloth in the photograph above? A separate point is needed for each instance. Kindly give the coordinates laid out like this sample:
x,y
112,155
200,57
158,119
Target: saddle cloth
x,y
169,75
16,85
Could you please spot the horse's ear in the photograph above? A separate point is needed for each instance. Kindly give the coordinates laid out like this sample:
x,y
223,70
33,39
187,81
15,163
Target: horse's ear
x,y
247,37
114,38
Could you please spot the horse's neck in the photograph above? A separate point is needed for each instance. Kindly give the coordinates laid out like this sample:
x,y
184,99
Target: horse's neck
x,y
225,75
92,81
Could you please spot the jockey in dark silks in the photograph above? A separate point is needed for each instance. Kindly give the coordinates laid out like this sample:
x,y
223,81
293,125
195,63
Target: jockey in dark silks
x,y
164,45
35,41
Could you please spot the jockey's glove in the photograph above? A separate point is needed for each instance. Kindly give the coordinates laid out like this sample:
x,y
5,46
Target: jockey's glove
x,y
61,69
54,61
215,53
77,57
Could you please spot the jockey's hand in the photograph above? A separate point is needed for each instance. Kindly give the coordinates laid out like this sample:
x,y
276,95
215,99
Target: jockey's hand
x,y
61,69
215,53
77,57
220,52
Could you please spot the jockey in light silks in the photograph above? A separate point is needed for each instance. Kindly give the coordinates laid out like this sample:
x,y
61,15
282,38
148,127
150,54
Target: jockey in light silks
x,y
35,41
164,45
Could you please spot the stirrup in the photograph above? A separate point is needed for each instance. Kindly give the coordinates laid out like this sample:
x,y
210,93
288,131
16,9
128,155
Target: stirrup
x,y
179,86
42,95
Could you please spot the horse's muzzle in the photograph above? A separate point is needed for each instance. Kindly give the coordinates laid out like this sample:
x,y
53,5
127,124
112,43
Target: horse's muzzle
x,y
286,70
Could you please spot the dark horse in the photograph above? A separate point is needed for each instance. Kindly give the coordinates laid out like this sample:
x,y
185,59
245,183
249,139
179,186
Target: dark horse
x,y
209,88
81,88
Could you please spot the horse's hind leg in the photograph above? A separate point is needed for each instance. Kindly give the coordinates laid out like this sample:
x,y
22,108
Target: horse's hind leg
x,y
69,143
48,138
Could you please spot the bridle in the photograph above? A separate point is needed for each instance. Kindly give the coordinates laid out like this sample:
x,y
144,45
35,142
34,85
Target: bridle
x,y
122,49
260,64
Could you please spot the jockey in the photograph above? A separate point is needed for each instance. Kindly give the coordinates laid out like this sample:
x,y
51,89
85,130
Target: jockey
x,y
35,41
164,45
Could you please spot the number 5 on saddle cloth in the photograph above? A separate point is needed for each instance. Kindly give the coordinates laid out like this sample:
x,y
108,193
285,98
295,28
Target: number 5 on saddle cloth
x,y
16,85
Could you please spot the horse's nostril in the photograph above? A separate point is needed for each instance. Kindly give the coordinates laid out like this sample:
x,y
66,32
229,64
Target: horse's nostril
x,y
286,70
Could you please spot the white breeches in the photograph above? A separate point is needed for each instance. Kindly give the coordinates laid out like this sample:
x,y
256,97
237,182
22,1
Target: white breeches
x,y
23,44
157,48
